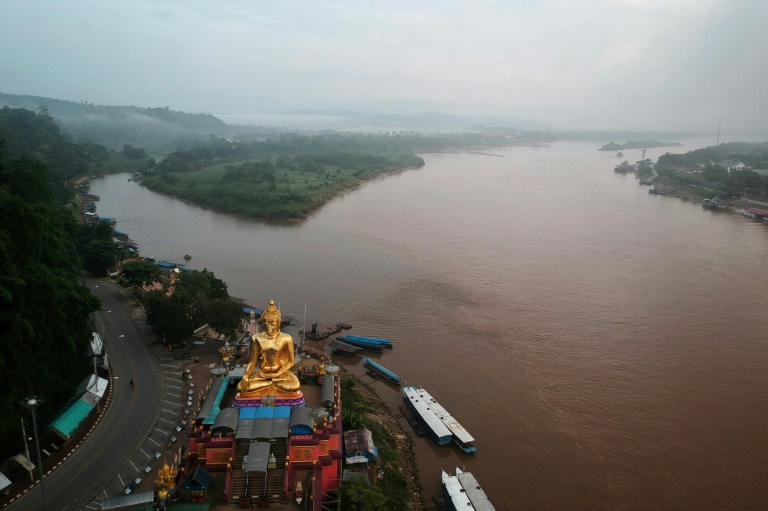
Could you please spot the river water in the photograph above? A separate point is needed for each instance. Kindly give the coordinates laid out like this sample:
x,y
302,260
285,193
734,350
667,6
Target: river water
x,y
606,347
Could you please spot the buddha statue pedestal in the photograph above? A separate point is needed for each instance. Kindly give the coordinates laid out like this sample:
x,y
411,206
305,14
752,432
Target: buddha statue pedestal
x,y
254,401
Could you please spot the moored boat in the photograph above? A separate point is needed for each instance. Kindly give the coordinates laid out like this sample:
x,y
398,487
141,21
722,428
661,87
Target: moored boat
x,y
477,497
381,370
454,493
420,403
459,435
384,343
361,343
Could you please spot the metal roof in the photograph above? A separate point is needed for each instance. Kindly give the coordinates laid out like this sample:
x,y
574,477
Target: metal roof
x,y
210,407
134,499
358,440
459,498
301,421
227,419
198,479
328,390
244,429
70,419
475,493
262,428
337,345
4,481
421,402
457,429
280,427
258,457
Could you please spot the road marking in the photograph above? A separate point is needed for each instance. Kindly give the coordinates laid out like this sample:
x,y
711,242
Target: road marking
x,y
166,420
172,402
174,386
148,438
134,466
121,480
145,454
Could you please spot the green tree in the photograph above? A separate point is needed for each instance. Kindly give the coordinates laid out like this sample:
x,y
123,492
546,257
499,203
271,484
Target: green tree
x,y
141,273
359,495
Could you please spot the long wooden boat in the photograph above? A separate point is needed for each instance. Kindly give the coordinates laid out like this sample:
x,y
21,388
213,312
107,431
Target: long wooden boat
x,y
386,343
476,495
431,408
380,369
461,491
421,407
454,493
370,346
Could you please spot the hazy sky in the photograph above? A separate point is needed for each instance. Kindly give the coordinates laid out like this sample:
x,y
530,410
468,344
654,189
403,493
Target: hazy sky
x,y
615,64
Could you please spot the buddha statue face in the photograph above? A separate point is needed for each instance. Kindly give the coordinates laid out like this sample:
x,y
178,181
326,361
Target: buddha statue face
x,y
272,327
271,320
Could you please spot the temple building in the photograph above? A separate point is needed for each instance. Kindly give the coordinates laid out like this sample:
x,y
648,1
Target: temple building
x,y
275,439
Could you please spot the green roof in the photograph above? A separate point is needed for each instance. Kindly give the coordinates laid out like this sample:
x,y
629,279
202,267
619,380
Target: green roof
x,y
68,421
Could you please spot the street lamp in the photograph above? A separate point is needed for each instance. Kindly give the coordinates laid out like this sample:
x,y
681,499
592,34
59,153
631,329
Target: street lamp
x,y
32,403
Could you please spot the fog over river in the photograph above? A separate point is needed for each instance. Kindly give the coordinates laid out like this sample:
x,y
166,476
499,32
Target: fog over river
x,y
606,347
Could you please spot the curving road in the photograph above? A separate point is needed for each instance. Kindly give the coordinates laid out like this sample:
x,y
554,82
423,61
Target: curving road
x,y
111,456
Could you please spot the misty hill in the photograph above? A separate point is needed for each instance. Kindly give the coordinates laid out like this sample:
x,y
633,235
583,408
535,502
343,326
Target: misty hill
x,y
113,126
424,121
644,144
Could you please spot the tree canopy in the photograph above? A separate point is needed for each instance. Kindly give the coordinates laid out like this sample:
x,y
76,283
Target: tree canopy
x,y
197,298
43,308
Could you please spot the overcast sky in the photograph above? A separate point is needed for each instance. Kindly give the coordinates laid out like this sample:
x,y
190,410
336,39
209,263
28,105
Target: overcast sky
x,y
601,64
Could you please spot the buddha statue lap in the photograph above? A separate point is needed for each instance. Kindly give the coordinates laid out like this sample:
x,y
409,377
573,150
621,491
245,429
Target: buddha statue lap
x,y
268,372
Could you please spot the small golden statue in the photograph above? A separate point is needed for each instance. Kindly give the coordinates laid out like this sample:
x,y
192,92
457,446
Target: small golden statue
x,y
165,480
269,364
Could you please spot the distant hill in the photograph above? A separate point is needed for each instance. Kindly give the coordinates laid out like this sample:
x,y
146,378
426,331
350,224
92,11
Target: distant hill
x,y
157,129
644,144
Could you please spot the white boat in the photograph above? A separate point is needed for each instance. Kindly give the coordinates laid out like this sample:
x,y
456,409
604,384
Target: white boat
x,y
477,496
441,425
421,403
454,493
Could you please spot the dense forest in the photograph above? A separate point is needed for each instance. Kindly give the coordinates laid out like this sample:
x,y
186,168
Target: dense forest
x,y
45,310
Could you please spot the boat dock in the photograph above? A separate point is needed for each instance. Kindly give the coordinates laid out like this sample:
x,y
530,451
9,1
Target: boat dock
x,y
342,347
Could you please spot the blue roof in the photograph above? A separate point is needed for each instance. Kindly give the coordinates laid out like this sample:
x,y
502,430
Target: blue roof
x,y
70,419
247,310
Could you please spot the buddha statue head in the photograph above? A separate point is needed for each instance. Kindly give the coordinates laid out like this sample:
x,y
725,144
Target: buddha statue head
x,y
270,319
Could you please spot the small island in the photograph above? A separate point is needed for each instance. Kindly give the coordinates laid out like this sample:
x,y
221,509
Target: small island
x,y
642,144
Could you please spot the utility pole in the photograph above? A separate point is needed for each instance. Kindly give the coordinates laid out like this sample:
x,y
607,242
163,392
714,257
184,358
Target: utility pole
x,y
718,131
32,404
26,448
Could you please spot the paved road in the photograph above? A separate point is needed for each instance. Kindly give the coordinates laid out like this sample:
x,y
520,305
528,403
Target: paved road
x,y
120,446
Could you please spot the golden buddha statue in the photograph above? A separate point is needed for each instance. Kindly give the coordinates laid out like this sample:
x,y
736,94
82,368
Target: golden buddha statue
x,y
268,372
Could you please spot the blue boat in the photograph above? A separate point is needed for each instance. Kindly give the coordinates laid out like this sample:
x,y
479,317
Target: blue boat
x,y
384,343
370,346
168,264
380,369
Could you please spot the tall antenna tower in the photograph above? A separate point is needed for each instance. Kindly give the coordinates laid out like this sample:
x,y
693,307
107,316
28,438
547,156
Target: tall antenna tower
x,y
718,131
